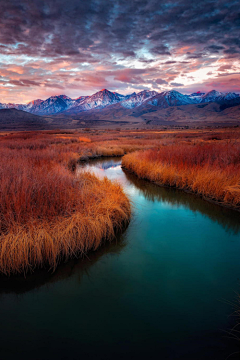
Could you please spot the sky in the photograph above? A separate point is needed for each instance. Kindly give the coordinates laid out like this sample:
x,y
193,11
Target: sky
x,y
78,47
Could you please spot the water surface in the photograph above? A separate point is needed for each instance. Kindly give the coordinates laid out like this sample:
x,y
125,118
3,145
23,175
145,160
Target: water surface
x,y
160,291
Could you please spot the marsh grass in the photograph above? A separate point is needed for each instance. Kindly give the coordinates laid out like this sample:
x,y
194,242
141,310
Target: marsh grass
x,y
90,217
48,213
211,170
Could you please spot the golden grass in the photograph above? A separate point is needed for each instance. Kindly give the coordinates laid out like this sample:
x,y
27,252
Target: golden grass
x,y
100,209
47,213
84,139
210,170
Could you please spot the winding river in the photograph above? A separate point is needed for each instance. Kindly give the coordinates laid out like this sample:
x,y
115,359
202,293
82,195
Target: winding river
x,y
165,289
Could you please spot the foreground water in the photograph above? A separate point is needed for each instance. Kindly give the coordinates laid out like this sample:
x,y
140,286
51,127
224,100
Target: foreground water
x,y
162,290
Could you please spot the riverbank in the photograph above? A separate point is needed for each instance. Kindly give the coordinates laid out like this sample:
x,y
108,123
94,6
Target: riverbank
x,y
210,170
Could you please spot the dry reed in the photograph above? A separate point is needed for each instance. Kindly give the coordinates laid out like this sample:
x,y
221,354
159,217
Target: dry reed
x,y
49,214
209,169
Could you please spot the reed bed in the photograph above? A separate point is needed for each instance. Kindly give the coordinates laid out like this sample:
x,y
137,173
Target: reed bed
x,y
48,213
209,169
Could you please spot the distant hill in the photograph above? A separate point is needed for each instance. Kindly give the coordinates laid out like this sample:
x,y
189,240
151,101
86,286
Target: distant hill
x,y
13,119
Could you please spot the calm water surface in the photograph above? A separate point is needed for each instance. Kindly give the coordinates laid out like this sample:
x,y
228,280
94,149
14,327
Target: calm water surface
x,y
162,290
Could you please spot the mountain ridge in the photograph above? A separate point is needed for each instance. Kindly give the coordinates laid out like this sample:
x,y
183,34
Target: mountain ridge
x,y
64,104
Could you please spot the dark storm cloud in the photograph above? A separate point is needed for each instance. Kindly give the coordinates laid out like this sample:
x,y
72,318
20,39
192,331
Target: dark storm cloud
x,y
194,56
59,28
214,48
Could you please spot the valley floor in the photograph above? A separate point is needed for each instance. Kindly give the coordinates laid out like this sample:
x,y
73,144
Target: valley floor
x,y
49,212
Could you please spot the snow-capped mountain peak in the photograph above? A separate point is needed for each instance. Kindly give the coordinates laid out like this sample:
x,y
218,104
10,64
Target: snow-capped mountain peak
x,y
138,99
61,103
170,98
216,96
211,96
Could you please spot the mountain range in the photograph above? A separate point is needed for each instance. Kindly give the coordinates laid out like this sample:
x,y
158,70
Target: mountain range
x,y
145,106
64,104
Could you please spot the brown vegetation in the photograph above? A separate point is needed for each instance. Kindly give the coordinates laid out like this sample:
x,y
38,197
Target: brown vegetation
x,y
49,213
208,168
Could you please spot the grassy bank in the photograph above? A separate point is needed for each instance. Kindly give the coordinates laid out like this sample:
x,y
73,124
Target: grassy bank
x,y
210,169
48,213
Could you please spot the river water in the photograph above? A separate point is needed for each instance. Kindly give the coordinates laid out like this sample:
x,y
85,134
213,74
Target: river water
x,y
164,289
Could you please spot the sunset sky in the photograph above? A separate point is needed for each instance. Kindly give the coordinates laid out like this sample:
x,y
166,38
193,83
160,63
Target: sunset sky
x,y
76,47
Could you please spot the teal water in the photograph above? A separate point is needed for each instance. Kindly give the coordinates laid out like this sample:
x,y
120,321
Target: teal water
x,y
163,290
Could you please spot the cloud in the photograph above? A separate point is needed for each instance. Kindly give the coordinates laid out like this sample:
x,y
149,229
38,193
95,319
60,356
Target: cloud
x,y
225,67
81,46
161,81
214,48
24,82
176,84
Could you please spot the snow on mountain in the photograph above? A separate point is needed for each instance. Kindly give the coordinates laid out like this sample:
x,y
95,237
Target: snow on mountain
x,y
52,105
34,103
211,96
216,96
67,100
120,96
170,98
103,98
227,96
197,96
80,98
175,98
137,99
12,106
98,100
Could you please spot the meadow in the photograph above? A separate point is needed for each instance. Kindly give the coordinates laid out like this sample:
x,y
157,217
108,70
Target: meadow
x,y
50,213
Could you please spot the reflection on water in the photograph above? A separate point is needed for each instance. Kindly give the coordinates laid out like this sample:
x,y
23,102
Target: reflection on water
x,y
20,284
160,290
227,218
